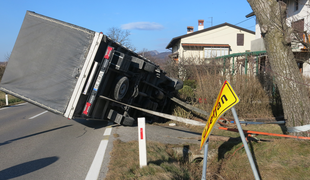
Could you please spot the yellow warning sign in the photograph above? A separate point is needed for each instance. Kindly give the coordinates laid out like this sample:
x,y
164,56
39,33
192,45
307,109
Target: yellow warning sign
x,y
226,99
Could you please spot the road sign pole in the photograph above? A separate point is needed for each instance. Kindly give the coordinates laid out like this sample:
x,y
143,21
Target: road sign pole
x,y
205,159
246,147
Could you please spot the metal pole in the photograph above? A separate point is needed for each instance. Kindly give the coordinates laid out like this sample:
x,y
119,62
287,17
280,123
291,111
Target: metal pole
x,y
257,58
246,64
233,65
205,159
224,67
246,147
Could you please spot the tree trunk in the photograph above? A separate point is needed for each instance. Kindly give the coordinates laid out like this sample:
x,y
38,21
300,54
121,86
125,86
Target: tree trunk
x,y
271,16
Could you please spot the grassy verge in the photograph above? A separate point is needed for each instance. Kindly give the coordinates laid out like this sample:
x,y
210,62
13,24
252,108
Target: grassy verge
x,y
11,100
277,158
163,163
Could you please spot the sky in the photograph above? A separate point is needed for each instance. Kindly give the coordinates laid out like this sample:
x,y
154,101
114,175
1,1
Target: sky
x,y
152,24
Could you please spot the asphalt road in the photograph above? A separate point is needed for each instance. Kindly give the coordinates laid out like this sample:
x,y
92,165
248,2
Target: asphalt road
x,y
37,144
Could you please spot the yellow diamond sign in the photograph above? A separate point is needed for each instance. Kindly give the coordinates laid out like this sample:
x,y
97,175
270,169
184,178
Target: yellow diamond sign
x,y
226,99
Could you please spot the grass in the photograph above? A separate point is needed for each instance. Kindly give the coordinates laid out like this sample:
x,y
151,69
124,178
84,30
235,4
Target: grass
x,y
11,100
278,158
163,163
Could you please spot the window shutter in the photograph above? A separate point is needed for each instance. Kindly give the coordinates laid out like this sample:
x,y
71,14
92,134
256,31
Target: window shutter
x,y
298,27
240,39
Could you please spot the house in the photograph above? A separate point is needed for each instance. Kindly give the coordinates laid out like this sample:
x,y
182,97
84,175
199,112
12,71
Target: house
x,y
219,40
298,17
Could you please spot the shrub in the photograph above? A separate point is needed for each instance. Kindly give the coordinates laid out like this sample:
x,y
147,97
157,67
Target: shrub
x,y
191,83
203,82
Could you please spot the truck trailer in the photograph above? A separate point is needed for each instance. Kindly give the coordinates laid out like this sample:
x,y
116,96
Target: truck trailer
x,y
77,72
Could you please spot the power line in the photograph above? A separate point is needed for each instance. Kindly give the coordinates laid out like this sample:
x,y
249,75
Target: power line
x,y
245,20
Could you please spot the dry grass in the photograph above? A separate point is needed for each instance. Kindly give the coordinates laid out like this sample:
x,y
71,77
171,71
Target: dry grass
x,y
279,158
162,163
257,94
254,101
12,100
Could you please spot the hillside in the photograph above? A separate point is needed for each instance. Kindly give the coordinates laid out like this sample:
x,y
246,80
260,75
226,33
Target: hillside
x,y
157,57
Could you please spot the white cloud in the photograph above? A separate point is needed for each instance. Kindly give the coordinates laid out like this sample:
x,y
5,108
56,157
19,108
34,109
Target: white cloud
x,y
143,26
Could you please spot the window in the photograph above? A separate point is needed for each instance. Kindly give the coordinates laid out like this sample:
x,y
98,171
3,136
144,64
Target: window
x,y
296,5
240,39
211,52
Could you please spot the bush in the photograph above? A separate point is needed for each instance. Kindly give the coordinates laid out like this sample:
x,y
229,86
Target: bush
x,y
187,93
204,83
190,83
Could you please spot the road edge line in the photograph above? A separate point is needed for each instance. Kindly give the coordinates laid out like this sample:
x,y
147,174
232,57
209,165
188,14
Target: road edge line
x,y
94,170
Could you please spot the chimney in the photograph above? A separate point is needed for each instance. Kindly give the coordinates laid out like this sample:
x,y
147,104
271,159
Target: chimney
x,y
190,29
200,25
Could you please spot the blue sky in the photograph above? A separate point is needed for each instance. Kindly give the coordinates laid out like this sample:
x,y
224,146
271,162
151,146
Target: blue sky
x,y
152,23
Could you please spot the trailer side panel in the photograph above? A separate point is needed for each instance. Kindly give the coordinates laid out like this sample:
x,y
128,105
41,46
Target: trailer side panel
x,y
46,61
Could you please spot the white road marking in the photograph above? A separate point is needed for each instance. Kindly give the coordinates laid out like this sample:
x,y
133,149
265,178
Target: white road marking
x,y
95,167
13,106
4,108
19,104
38,115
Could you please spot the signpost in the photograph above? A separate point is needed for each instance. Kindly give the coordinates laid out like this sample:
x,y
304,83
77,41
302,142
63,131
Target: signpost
x,y
226,99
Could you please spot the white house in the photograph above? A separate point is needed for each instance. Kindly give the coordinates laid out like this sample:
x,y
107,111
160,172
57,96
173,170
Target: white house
x,y
298,17
223,39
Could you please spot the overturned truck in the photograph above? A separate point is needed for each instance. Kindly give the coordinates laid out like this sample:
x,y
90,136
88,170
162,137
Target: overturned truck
x,y
68,69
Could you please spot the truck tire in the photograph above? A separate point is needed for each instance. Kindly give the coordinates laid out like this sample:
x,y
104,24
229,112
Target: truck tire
x,y
121,88
128,121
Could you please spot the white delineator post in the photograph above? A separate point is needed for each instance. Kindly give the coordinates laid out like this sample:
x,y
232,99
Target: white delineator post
x,y
142,142
6,99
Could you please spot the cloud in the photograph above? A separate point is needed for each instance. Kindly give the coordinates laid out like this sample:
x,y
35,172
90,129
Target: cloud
x,y
143,26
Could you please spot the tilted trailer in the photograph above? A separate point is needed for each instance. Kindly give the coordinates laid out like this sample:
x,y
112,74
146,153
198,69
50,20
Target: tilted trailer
x,y
67,69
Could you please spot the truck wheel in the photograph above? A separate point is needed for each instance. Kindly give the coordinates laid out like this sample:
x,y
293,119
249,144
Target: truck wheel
x,y
128,121
121,88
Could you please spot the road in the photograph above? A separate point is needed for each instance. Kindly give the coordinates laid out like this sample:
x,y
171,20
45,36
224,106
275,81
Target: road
x,y
37,144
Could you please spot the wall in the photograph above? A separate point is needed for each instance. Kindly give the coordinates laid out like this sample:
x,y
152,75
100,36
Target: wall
x,y
222,35
303,12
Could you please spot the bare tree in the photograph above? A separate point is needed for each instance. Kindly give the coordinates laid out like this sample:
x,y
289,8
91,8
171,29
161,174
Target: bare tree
x,y
271,16
147,54
121,36
7,56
